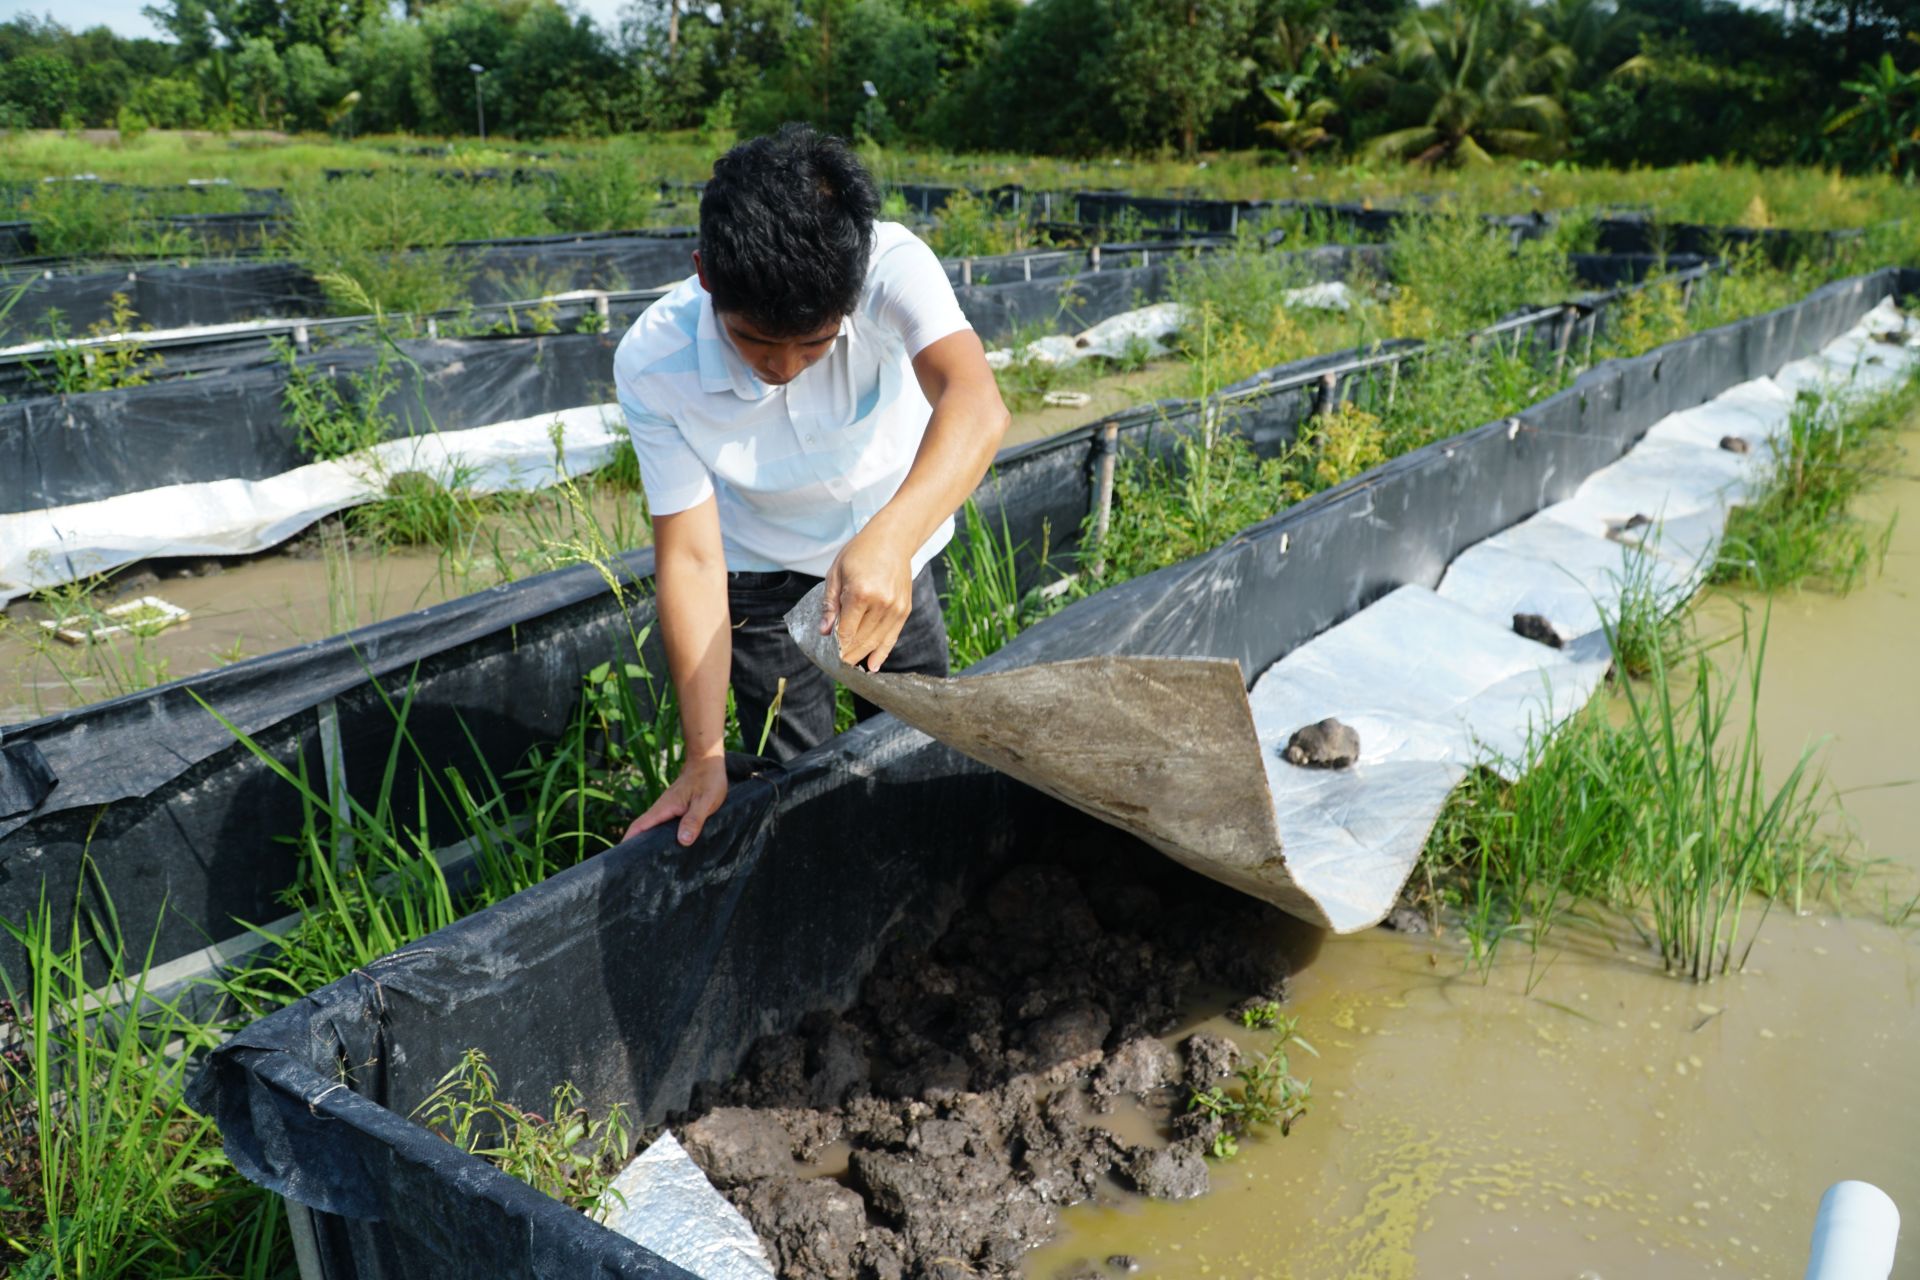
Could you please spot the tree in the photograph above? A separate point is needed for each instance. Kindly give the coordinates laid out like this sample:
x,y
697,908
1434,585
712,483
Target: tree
x,y
260,82
41,87
390,65
1177,64
1596,33
314,86
169,102
1304,64
1058,52
1480,77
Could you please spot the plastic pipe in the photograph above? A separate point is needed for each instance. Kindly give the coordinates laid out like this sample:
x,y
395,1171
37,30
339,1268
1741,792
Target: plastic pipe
x,y
1854,1234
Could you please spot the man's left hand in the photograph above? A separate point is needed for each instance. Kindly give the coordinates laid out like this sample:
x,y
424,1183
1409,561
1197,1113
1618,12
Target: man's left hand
x,y
869,595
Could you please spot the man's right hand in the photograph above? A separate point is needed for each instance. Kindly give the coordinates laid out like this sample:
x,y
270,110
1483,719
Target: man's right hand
x,y
694,795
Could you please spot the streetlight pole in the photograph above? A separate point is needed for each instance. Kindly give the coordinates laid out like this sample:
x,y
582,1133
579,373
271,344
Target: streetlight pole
x,y
479,108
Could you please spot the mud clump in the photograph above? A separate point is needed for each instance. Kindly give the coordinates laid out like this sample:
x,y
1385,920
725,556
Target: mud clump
x,y
1628,530
968,1085
1328,744
1537,628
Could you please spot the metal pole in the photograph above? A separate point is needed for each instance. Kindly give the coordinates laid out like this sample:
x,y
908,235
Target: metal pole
x,y
1103,495
479,110
306,1244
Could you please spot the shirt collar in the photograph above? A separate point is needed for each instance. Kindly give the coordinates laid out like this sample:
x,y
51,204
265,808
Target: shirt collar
x,y
721,368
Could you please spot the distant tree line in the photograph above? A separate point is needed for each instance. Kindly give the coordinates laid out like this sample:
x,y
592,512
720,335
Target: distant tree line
x,y
1613,81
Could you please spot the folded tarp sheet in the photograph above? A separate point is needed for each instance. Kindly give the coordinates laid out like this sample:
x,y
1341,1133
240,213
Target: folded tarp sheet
x,y
652,967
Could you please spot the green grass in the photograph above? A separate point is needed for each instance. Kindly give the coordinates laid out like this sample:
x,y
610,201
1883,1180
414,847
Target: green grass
x,y
1454,272
1715,193
106,1173
1654,810
1800,530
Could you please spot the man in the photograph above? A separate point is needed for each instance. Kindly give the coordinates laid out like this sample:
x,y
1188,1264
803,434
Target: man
x,y
811,404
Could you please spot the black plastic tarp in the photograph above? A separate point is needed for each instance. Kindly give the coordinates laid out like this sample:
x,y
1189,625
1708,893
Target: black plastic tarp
x,y
59,450
652,967
175,296
228,421
182,809
1647,233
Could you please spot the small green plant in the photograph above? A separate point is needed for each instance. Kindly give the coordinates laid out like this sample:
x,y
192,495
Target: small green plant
x,y
1265,1015
565,1154
966,227
97,365
1268,1095
329,422
606,191
1647,629
982,601
421,510
1454,271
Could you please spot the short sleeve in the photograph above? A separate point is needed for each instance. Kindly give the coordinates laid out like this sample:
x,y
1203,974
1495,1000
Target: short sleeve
x,y
670,471
909,293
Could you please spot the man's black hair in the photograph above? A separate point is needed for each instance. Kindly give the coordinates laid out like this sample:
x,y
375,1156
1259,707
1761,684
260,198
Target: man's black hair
x,y
786,227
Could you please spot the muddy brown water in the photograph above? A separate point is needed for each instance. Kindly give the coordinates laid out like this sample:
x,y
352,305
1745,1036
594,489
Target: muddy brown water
x,y
317,586
1581,1114
1109,393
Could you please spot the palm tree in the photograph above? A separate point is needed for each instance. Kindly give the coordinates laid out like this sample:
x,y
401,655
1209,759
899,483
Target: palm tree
x,y
1302,125
1884,121
1301,96
1600,37
1481,76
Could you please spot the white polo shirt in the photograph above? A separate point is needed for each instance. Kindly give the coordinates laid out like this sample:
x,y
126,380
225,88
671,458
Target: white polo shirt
x,y
798,469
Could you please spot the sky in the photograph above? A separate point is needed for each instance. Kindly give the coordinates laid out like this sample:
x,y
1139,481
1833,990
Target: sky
x,y
125,17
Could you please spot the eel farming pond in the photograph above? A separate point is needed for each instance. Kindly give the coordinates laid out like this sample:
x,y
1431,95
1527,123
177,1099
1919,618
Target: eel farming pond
x,y
1579,1112
327,581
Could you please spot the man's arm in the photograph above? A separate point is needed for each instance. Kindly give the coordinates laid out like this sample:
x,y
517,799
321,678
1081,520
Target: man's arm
x,y
690,575
870,586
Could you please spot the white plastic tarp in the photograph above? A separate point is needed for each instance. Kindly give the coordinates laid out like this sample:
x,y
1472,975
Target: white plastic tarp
x,y
1148,329
45,548
661,1201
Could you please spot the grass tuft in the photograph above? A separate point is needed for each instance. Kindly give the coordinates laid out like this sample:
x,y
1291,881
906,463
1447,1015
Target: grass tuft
x,y
1655,810
1800,529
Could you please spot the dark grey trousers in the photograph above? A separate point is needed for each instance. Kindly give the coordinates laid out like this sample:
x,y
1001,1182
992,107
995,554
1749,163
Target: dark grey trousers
x,y
763,653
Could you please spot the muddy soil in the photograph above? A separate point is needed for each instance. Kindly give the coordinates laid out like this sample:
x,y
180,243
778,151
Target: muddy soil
x,y
1015,1066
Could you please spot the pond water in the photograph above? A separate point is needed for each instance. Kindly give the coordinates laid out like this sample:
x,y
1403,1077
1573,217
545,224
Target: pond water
x,y
1579,1113
317,586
